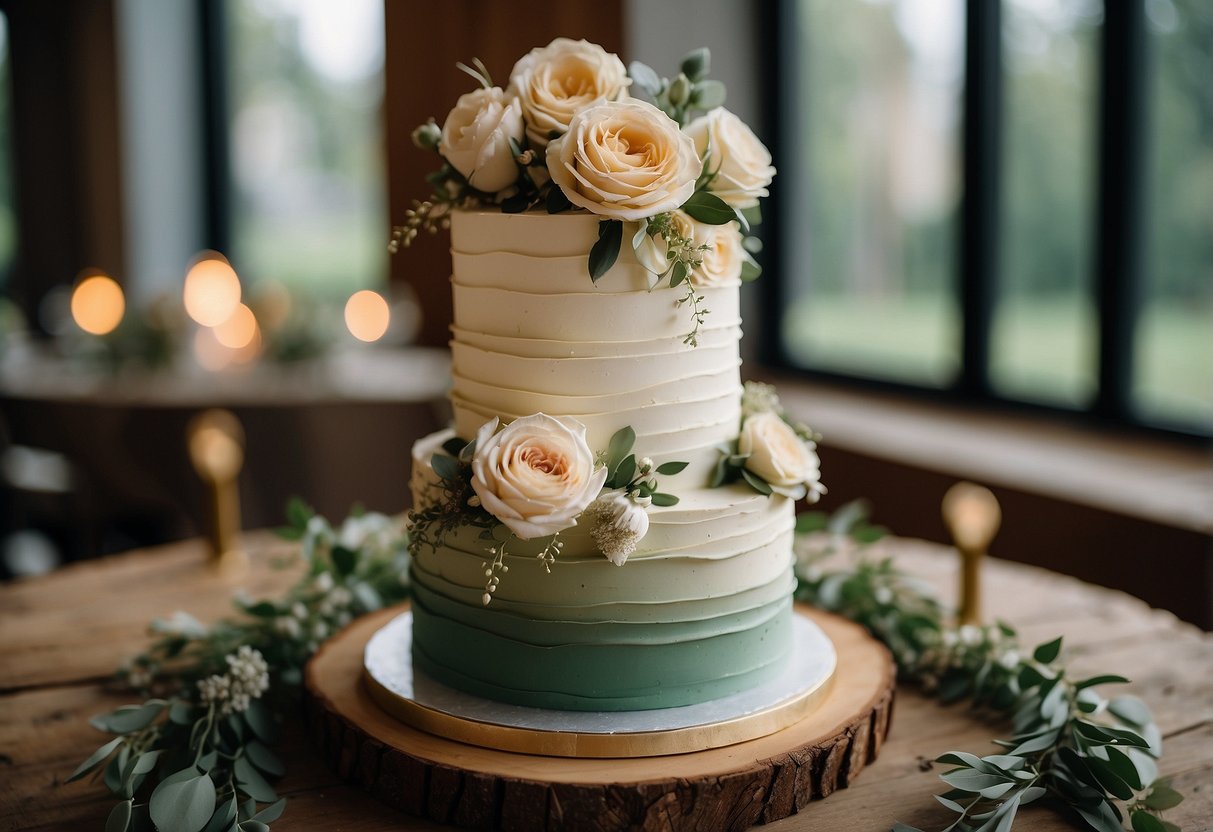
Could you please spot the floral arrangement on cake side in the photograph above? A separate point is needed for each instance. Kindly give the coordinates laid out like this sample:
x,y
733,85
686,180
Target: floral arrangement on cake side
x,y
534,478
669,170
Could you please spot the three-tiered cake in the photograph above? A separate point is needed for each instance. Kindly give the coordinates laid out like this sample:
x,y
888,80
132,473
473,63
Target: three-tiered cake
x,y
608,524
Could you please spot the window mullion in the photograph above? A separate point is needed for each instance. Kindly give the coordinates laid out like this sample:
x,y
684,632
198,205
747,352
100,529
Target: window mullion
x,y
1120,238
979,206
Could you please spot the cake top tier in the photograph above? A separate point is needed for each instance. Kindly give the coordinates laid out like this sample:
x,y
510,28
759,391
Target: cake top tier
x,y
661,174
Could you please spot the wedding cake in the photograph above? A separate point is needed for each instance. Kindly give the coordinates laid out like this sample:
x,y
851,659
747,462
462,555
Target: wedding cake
x,y
608,523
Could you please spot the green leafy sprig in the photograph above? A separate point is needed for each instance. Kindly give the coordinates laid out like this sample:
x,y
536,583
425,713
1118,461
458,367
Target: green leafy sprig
x,y
196,754
635,477
689,91
1068,745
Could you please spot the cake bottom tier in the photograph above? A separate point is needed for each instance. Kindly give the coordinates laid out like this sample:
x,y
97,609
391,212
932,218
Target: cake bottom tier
x,y
702,610
606,667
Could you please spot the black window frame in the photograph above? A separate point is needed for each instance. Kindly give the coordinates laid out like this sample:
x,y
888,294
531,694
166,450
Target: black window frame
x,y
1119,218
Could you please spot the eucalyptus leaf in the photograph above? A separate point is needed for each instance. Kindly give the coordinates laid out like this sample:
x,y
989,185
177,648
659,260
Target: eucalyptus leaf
x,y
625,471
1101,818
708,95
147,761
1143,821
1106,679
664,500
708,208
344,560
1033,744
299,513
557,201
262,609
606,250
1109,779
272,812
251,782
1130,709
1124,768
1162,797
669,469
1032,793
750,270
1048,651
224,816
756,483
131,718
259,718
119,817
95,759
181,712
959,758
696,64
113,771
950,804
972,780
264,759
644,77
619,447
446,467
183,805
1006,762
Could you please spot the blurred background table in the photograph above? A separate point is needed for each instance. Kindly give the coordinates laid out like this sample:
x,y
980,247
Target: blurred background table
x,y
61,636
98,460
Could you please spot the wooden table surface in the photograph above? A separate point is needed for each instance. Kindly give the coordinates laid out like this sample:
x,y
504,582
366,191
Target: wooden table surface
x,y
61,636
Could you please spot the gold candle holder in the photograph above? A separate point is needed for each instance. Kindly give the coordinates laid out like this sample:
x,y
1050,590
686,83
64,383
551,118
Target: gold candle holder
x,y
972,515
216,446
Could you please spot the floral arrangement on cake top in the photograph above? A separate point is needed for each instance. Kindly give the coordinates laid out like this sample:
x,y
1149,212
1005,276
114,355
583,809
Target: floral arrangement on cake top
x,y
669,170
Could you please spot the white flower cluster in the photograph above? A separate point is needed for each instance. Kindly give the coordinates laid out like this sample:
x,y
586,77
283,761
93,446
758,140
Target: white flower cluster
x,y
246,679
618,522
329,608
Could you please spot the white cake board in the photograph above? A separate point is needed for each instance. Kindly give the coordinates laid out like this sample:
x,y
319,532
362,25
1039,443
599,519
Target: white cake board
x,y
415,698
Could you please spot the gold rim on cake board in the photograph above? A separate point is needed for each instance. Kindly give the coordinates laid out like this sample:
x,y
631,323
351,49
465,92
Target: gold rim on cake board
x,y
604,745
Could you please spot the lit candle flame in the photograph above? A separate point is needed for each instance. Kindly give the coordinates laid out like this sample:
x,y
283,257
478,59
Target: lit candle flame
x,y
97,303
367,315
212,289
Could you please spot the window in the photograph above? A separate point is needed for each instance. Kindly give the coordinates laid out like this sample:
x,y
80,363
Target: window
x,y
1173,350
8,220
1005,201
306,196
872,290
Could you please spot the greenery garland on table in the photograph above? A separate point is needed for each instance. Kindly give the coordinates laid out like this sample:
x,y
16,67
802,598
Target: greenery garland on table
x,y
195,756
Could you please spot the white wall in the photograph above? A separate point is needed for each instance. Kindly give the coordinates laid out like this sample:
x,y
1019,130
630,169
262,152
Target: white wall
x,y
660,32
162,141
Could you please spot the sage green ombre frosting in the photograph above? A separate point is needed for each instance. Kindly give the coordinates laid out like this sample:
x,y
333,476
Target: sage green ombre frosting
x,y
702,609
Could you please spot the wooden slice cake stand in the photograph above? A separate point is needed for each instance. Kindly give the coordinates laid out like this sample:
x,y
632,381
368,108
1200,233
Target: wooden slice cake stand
x,y
727,788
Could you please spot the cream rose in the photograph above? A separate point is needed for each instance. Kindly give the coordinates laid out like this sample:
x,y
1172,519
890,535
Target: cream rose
x,y
624,160
535,475
778,455
720,262
555,81
476,138
742,163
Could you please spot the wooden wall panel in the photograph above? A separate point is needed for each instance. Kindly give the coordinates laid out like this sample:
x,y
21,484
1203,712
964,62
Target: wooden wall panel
x,y
424,40
66,154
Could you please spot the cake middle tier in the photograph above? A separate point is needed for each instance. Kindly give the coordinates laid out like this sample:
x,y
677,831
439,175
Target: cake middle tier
x,y
533,334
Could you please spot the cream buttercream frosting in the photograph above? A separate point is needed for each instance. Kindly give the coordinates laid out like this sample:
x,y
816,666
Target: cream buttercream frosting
x,y
701,608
